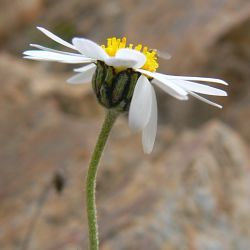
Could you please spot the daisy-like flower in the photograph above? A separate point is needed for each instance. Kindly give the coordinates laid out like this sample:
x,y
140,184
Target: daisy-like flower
x,y
123,78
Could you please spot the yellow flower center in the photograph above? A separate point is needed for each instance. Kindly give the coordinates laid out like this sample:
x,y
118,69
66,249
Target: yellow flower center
x,y
114,44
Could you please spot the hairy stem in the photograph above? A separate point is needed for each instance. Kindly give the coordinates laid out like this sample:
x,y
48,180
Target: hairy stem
x,y
91,178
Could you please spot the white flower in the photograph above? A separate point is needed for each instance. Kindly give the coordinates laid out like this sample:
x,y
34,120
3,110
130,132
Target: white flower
x,y
143,107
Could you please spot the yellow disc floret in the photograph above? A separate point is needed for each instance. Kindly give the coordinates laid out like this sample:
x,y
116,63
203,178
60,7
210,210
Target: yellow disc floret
x,y
114,44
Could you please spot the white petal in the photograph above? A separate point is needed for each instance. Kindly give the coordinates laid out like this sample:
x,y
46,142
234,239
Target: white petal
x,y
149,132
169,87
75,61
133,55
81,69
45,55
170,90
201,79
54,50
205,100
53,56
121,63
89,49
85,76
140,106
56,38
199,88
36,58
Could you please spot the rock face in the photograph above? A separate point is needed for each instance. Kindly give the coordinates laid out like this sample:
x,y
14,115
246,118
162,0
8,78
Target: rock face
x,y
194,196
17,14
192,193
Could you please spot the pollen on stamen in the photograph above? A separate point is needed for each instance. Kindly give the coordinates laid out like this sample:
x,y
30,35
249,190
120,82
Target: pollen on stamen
x,y
138,47
131,46
114,44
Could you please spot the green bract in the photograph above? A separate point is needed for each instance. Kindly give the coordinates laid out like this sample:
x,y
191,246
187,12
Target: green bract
x,y
114,90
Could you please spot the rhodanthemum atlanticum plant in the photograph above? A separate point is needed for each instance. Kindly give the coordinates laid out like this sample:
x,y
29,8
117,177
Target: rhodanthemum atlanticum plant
x,y
123,78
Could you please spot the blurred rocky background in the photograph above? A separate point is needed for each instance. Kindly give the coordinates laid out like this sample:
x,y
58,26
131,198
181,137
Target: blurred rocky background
x,y
191,193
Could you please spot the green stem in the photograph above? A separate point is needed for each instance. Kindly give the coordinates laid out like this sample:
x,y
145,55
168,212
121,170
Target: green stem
x,y
91,178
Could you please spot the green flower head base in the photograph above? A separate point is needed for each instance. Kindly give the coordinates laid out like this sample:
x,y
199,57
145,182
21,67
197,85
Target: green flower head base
x,y
123,78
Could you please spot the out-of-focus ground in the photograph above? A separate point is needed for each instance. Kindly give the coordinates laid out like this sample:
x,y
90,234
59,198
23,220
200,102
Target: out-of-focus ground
x,y
191,193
